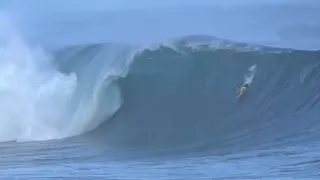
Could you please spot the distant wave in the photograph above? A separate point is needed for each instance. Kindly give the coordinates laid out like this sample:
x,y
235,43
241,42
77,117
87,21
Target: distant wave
x,y
300,32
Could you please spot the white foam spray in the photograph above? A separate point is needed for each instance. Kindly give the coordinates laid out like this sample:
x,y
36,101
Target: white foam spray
x,y
248,78
34,97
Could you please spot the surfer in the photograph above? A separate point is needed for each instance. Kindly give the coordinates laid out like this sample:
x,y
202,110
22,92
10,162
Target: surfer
x,y
242,89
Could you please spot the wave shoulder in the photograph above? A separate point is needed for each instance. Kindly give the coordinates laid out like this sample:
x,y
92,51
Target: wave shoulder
x,y
207,42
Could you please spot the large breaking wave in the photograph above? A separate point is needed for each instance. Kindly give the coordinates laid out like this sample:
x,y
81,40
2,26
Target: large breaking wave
x,y
179,94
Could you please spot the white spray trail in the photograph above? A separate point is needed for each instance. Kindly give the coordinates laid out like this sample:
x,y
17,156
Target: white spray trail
x,y
248,78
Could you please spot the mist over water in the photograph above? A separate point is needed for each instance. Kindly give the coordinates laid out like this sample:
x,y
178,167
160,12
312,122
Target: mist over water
x,y
33,94
39,102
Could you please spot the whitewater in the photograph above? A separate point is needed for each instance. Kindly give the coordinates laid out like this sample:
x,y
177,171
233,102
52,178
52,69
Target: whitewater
x,y
87,109
39,102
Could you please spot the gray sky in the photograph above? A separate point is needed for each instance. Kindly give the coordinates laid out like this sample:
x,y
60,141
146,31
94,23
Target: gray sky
x,y
145,21
83,5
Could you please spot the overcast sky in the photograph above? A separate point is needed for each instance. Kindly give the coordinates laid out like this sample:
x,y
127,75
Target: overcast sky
x,y
59,21
76,5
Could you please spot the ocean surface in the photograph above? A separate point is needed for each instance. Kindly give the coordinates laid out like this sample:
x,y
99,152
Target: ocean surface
x,y
159,111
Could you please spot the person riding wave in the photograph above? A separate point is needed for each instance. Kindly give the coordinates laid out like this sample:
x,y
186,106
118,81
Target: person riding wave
x,y
241,90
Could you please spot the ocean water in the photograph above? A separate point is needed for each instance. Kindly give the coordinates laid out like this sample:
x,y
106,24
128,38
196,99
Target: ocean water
x,y
168,110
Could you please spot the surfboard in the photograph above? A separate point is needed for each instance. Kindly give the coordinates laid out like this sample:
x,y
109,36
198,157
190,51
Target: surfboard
x,y
241,96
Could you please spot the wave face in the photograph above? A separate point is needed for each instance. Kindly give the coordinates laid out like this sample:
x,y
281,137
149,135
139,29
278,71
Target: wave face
x,y
185,95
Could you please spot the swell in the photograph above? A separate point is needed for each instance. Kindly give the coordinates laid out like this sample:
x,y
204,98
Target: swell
x,y
184,95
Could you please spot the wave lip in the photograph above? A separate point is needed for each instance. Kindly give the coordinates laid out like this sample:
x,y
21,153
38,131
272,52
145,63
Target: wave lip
x,y
214,43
